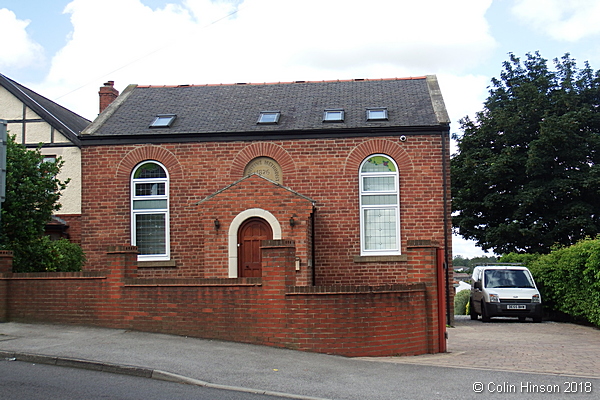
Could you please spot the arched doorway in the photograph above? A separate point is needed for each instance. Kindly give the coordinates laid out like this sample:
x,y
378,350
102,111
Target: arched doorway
x,y
251,233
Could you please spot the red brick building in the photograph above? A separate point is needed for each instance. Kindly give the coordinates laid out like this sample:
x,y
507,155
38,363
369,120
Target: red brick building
x,y
309,215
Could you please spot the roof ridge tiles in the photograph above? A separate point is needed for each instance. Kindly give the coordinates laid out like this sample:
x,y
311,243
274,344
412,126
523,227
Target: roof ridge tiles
x,y
280,82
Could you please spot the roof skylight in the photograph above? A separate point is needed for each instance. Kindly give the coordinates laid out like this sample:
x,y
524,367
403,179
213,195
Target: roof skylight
x,y
377,114
163,121
336,115
268,117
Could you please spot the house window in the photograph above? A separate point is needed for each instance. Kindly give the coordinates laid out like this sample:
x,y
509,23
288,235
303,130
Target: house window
x,y
269,117
333,115
49,158
163,121
379,206
377,114
150,211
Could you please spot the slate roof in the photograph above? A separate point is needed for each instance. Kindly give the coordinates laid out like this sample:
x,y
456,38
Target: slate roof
x,y
230,112
62,119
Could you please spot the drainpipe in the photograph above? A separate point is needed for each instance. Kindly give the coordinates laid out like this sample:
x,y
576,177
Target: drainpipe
x,y
446,221
312,246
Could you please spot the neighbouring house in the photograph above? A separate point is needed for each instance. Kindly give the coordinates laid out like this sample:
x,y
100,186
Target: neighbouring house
x,y
461,276
461,280
34,119
461,285
306,215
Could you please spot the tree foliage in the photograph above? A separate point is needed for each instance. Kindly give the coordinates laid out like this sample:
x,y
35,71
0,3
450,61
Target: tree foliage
x,y
526,176
61,255
32,194
469,263
524,259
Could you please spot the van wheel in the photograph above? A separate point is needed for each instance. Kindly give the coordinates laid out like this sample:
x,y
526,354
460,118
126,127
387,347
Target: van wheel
x,y
472,312
537,319
484,316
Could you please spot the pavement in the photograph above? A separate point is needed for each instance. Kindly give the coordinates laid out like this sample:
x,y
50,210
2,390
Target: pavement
x,y
551,348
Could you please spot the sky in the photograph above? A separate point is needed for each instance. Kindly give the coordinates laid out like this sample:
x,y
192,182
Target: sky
x,y
65,50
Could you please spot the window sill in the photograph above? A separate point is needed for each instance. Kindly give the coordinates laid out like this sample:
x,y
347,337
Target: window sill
x,y
364,259
157,264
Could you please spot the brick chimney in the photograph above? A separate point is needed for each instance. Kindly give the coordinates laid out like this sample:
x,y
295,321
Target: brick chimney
x,y
108,94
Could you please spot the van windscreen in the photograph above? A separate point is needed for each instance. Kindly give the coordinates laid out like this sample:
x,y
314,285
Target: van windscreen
x,y
508,278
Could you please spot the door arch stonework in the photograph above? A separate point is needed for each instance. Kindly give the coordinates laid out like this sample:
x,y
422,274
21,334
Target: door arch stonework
x,y
233,234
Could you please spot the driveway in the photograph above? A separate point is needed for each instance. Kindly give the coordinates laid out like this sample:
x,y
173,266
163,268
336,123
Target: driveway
x,y
509,345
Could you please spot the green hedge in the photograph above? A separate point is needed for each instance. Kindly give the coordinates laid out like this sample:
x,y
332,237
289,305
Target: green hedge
x,y
569,280
64,256
460,302
46,255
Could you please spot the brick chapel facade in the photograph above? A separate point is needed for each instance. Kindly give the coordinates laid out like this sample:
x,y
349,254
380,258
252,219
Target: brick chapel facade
x,y
301,174
343,184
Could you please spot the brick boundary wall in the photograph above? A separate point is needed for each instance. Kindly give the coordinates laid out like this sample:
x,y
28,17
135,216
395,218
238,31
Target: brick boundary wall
x,y
343,320
6,258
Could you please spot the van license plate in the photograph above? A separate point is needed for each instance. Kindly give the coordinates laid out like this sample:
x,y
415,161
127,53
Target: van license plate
x,y
516,307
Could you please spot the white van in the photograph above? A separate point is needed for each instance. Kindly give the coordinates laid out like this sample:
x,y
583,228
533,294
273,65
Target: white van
x,y
504,291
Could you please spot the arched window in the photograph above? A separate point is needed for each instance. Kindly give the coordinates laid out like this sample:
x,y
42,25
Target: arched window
x,y
150,211
379,206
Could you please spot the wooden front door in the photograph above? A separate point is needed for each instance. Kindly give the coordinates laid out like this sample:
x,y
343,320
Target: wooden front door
x,y
250,234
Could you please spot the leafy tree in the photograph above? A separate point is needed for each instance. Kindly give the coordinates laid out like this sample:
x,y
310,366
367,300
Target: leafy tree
x,y
482,260
526,176
469,263
524,259
460,261
32,194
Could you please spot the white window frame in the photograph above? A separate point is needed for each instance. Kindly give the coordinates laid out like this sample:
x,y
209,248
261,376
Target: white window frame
x,y
396,250
150,211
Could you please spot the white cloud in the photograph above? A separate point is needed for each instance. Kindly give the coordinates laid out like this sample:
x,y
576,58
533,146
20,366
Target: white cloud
x,y
570,20
18,49
266,40
467,248
463,94
341,35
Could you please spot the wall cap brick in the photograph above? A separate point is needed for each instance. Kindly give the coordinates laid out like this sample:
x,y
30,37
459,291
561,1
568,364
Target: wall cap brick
x,y
57,275
157,264
277,243
346,289
193,282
